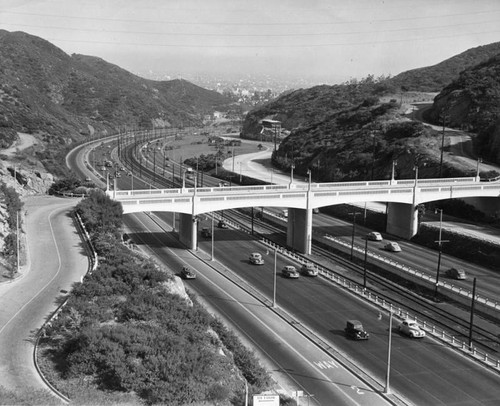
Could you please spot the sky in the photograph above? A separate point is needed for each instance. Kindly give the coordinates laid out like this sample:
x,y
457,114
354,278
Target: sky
x,y
325,41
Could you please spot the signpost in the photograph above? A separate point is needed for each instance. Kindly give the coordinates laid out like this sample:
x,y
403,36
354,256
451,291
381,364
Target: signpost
x,y
266,400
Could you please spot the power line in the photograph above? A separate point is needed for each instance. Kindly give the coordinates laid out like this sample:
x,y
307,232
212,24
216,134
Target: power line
x,y
267,45
192,34
246,23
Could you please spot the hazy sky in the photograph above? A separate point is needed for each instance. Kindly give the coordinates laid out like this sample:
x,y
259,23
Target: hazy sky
x,y
326,40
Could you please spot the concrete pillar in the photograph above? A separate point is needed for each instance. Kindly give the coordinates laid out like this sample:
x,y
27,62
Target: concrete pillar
x,y
299,230
188,230
402,220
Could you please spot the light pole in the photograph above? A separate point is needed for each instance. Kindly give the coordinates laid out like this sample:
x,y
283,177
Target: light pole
x,y
387,389
393,172
364,266
373,154
240,171
212,257
415,168
354,214
309,176
442,145
479,160
440,245
274,282
291,173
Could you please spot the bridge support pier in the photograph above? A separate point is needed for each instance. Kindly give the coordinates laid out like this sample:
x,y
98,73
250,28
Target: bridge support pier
x,y
188,230
299,230
402,220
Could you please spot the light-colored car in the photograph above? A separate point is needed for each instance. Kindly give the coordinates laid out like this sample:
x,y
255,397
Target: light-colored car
x,y
309,269
187,273
256,258
456,273
392,246
374,236
289,271
411,329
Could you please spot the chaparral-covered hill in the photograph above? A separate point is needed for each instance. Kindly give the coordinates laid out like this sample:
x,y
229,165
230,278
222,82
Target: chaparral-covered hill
x,y
355,130
64,98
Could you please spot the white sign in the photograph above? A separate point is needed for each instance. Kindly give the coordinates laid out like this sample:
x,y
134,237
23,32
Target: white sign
x,y
266,400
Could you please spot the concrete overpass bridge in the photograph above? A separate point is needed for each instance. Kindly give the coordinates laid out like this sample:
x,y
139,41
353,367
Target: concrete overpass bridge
x,y
402,197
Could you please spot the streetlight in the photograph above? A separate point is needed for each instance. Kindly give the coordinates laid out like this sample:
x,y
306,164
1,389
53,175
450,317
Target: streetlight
x,y
443,115
364,266
354,214
274,282
415,168
393,172
387,389
212,257
309,176
291,173
373,153
240,171
479,160
440,245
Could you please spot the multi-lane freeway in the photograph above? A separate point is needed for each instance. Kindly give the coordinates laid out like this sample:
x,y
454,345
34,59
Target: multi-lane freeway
x,y
424,371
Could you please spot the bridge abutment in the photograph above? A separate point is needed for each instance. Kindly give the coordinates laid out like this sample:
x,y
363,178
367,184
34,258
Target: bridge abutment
x,y
299,230
188,230
402,220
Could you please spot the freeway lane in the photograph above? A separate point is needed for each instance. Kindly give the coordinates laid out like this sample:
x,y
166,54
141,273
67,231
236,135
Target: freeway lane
x,y
422,370
293,359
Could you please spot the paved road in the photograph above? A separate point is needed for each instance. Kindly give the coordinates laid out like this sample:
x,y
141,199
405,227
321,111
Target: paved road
x,y
295,363
56,259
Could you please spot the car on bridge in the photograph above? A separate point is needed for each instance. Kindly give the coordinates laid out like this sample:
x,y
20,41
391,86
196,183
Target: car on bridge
x,y
374,236
187,273
289,271
256,259
411,329
309,269
392,246
206,232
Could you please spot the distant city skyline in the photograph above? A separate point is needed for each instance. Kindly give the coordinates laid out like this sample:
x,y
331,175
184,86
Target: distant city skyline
x,y
318,41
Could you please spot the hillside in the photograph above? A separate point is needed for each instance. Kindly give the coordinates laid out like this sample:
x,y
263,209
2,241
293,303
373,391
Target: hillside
x,y
434,78
473,102
63,99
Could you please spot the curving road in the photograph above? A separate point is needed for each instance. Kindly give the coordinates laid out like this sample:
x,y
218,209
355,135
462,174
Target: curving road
x,y
56,259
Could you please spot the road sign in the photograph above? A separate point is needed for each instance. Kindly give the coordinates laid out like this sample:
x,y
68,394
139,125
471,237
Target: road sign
x,y
266,400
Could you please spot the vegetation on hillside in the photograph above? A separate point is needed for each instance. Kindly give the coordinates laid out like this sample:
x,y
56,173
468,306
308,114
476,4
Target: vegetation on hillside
x,y
12,202
123,336
63,99
473,102
435,78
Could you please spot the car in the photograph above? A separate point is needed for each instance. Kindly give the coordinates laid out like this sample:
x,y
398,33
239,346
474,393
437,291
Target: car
x,y
289,271
315,210
309,269
456,273
206,232
222,224
374,236
392,246
354,329
88,179
411,329
187,273
256,259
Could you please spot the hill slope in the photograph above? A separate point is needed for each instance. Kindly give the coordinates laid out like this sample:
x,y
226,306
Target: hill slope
x,y
473,102
434,78
63,98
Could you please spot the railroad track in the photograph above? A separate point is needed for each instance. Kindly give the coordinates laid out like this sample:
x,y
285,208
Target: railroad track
x,y
381,286
393,291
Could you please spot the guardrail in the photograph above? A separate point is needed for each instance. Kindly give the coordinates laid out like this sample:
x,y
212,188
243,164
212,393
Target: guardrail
x,y
456,290
436,332
93,264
